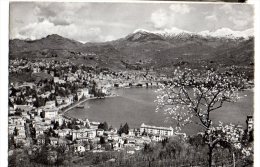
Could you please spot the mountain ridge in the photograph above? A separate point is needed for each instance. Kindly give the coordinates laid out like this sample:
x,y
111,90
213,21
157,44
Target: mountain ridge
x,y
143,49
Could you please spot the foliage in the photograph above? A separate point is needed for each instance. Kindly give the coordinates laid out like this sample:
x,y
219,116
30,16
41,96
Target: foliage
x,y
102,140
15,131
194,94
123,129
103,126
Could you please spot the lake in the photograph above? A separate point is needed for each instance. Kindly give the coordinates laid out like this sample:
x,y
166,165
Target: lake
x,y
136,106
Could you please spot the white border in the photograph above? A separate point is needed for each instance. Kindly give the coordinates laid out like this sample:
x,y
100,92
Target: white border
x,y
4,38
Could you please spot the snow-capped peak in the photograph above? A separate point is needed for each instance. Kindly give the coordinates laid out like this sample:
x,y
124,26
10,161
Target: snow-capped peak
x,y
219,33
228,33
141,30
173,31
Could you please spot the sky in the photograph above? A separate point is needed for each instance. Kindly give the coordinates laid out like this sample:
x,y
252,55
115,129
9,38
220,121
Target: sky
x,y
100,21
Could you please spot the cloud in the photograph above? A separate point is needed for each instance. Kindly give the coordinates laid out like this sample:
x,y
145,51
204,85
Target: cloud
x,y
59,21
42,29
167,18
58,13
159,18
109,38
233,16
227,8
212,18
86,22
239,22
241,19
45,10
180,8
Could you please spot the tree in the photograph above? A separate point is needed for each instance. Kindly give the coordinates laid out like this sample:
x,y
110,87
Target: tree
x,y
120,130
61,149
110,128
103,126
10,103
76,98
15,131
42,114
125,128
36,102
11,142
102,140
63,125
197,95
42,155
56,125
196,140
56,103
87,125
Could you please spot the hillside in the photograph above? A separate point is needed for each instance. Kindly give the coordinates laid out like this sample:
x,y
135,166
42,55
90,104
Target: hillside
x,y
145,49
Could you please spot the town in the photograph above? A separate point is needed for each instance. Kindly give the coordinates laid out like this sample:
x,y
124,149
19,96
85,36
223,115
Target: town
x,y
38,107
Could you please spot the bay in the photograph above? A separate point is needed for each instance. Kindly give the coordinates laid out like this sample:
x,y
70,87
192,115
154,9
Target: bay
x,y
136,106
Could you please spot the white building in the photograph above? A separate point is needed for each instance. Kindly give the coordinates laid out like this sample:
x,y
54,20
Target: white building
x,y
50,104
83,133
57,80
51,113
80,94
79,148
86,92
164,131
16,120
39,131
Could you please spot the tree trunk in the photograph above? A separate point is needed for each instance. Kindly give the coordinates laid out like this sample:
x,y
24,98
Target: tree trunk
x,y
210,156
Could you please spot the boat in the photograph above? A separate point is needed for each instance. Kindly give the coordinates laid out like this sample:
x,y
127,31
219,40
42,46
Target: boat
x,y
80,106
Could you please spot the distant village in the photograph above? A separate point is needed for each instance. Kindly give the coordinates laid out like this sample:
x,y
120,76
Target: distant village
x,y
38,106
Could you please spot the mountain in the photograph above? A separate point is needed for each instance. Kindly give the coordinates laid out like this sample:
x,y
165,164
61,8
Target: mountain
x,y
174,46
228,33
146,49
50,46
181,34
53,41
142,36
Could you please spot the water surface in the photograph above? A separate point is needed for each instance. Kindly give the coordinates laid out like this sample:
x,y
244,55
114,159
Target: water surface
x,y
136,106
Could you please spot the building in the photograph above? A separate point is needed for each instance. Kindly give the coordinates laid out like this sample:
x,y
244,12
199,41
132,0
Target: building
x,y
79,148
154,130
57,80
62,133
50,104
86,92
16,120
54,141
39,132
83,134
51,113
100,132
94,125
80,94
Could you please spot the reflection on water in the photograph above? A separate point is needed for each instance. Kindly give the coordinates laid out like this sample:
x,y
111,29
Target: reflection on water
x,y
136,106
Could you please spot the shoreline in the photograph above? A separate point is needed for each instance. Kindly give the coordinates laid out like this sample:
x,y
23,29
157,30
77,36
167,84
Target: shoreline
x,y
64,113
